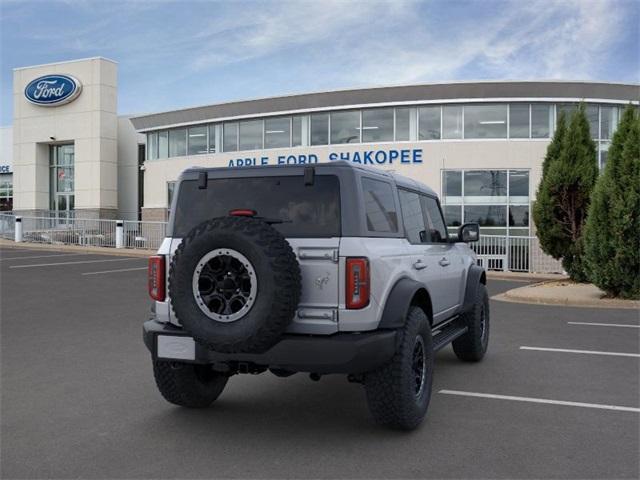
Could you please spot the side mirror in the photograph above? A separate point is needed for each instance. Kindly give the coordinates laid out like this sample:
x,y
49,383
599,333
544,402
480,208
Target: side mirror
x,y
469,232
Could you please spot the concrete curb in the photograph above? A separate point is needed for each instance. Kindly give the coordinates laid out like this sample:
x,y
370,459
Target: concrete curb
x,y
525,277
124,252
544,293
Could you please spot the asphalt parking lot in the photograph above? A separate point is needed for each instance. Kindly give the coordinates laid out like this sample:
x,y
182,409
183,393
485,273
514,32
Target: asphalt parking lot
x,y
79,401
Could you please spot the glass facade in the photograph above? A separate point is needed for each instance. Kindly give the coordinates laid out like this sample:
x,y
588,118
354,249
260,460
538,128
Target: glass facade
x,y
62,178
6,192
491,121
496,199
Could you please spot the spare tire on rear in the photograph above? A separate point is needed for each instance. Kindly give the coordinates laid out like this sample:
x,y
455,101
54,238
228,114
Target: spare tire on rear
x,y
234,284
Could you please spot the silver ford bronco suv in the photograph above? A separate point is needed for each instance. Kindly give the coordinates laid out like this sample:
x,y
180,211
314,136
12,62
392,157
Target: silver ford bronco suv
x,y
325,268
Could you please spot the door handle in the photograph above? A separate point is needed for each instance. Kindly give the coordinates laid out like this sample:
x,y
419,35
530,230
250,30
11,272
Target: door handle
x,y
444,262
419,265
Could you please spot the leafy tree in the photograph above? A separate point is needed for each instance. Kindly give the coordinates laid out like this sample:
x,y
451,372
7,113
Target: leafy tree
x,y
612,233
563,198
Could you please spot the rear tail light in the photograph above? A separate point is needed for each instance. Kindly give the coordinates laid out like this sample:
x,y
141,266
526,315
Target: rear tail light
x,y
156,277
358,286
242,212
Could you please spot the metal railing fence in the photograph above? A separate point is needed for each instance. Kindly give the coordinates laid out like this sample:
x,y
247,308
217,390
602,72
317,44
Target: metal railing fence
x,y
69,231
148,235
516,254
7,226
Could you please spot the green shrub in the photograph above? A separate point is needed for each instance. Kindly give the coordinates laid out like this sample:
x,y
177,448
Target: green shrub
x,y
612,233
569,174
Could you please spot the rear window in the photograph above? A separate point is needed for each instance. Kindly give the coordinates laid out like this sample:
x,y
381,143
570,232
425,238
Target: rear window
x,y
306,210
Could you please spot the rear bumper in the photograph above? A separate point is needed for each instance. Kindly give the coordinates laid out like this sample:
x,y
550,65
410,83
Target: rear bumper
x,y
338,353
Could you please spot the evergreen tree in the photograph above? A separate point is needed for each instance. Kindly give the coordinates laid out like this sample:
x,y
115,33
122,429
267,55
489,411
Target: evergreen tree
x,y
563,197
612,233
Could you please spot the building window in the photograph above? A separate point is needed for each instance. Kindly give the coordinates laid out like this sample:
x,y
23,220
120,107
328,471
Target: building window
x,y
541,120
345,127
320,129
163,144
519,120
251,135
429,123
296,131
62,176
212,138
485,121
452,121
377,125
6,192
592,116
380,208
178,142
152,146
496,199
230,137
197,141
403,124
608,122
277,132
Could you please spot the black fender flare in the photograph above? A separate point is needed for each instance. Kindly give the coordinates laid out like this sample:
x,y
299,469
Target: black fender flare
x,y
401,297
475,277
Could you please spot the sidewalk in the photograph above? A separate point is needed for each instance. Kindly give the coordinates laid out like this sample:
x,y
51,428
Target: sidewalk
x,y
127,252
567,293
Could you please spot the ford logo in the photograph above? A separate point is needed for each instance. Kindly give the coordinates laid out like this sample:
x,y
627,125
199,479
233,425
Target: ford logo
x,y
53,90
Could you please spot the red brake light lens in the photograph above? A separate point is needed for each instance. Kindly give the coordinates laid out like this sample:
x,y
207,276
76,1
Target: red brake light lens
x,y
357,282
156,278
243,212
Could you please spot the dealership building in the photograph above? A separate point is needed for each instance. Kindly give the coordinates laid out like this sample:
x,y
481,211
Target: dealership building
x,y
479,144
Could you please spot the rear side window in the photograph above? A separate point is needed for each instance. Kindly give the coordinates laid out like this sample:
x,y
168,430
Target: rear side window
x,y
380,208
412,217
305,210
437,230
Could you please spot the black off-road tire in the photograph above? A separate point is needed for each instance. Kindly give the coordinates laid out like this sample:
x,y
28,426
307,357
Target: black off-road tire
x,y
472,346
188,385
278,280
391,390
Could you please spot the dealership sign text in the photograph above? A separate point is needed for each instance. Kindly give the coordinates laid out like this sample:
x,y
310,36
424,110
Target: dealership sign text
x,y
53,90
364,157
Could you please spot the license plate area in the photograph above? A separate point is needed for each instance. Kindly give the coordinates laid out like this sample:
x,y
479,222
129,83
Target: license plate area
x,y
176,347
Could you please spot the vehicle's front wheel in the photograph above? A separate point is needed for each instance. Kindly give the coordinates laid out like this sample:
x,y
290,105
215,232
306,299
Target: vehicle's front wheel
x,y
472,346
188,385
398,394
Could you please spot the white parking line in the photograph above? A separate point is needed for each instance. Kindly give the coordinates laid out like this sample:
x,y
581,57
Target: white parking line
x,y
115,271
605,324
541,400
590,352
76,263
42,256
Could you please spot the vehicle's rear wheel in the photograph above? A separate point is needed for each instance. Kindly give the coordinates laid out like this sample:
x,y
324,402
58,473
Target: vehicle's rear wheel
x,y
188,385
472,346
398,394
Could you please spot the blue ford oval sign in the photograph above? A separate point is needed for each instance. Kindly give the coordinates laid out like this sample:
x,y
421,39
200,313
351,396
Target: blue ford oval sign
x,y
53,90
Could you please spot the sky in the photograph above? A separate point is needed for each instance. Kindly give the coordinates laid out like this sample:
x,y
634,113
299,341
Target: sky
x,y
176,54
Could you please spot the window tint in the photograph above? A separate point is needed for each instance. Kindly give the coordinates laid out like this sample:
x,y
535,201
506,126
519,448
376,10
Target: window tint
x,y
519,216
320,129
377,125
277,132
519,120
452,183
452,121
486,215
429,123
306,210
296,131
608,121
592,115
197,140
403,122
412,216
485,121
251,135
380,208
485,185
212,139
345,127
437,232
519,185
230,137
453,215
